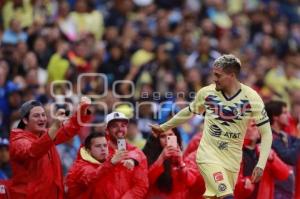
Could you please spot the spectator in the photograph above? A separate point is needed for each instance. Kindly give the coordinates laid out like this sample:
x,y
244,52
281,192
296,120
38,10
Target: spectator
x,y
14,34
6,88
58,64
169,176
129,179
90,167
141,57
31,62
287,147
87,20
18,9
134,136
276,170
283,81
43,51
34,159
116,66
118,13
202,58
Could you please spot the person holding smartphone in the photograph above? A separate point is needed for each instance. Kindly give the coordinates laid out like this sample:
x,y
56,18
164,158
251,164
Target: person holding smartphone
x,y
36,166
129,178
91,167
169,176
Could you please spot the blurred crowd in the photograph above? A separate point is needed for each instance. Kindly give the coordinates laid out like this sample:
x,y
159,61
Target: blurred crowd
x,y
57,50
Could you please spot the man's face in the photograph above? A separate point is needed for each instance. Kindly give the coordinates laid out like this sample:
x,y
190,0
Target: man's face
x,y
221,78
117,129
37,120
283,118
99,149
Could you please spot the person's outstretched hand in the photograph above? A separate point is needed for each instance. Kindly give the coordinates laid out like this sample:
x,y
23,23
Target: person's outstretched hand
x,y
156,129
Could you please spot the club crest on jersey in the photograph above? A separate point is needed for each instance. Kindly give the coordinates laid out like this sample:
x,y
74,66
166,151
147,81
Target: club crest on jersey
x,y
227,114
235,112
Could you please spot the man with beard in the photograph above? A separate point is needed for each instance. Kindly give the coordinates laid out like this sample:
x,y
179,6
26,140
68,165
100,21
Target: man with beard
x,y
129,177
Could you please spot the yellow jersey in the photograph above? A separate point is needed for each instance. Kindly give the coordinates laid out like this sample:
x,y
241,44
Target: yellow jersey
x,y
225,124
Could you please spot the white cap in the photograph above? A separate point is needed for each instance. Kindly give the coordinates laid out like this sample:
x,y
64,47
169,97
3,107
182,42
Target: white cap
x,y
115,116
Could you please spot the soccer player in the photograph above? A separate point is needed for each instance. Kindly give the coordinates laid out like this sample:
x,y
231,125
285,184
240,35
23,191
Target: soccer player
x,y
228,106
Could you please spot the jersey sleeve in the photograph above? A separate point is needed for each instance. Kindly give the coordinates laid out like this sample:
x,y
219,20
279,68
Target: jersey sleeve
x,y
197,106
259,113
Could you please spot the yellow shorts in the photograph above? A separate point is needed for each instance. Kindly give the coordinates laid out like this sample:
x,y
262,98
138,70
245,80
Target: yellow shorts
x,y
218,181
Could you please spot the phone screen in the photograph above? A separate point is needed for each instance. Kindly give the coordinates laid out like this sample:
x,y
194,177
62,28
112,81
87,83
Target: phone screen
x,y
172,141
121,144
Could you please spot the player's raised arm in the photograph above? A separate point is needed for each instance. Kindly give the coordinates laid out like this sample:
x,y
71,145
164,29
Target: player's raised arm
x,y
196,107
263,124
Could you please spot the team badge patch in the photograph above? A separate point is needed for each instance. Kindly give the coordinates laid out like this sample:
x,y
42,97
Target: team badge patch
x,y
218,176
222,187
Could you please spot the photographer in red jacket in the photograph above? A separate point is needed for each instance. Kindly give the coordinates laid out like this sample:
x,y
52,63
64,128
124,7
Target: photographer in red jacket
x,y
35,162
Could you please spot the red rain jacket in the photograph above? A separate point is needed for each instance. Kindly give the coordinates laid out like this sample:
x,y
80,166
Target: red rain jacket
x,y
193,145
35,163
183,179
197,190
122,183
84,174
275,169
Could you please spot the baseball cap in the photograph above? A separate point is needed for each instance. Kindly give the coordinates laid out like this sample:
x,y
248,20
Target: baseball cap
x,y
25,109
115,116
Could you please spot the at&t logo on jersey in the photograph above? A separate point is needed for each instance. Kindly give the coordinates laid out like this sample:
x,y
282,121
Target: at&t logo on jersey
x,y
215,131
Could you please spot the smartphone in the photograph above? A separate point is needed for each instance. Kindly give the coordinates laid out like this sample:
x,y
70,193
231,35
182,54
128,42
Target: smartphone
x,y
121,144
172,141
